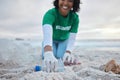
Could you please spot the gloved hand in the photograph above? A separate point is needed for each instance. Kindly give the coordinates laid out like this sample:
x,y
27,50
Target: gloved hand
x,y
49,62
68,59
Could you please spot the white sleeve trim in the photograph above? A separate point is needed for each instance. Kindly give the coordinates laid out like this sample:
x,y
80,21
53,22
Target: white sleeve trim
x,y
47,35
71,41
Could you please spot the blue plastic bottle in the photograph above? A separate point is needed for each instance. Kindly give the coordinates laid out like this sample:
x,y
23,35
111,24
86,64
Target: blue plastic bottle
x,y
60,65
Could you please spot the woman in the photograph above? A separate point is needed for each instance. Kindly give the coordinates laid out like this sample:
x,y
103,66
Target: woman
x,y
60,25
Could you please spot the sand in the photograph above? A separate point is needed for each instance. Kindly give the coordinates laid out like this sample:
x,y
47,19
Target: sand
x,y
19,57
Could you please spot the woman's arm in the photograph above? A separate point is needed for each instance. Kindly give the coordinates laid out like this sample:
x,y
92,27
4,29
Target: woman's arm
x,y
47,37
71,42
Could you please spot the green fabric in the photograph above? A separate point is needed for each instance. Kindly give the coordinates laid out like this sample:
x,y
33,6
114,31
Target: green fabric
x,y
62,26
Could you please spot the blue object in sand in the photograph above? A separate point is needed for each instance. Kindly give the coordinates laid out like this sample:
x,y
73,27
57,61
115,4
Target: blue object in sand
x,y
37,68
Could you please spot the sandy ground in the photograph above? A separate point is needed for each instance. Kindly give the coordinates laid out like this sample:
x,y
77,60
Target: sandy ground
x,y
19,57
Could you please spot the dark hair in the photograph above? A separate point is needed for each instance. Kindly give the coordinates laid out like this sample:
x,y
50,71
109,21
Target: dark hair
x,y
76,6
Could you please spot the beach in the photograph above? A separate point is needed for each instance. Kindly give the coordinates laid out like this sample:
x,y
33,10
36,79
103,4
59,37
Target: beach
x,y
18,58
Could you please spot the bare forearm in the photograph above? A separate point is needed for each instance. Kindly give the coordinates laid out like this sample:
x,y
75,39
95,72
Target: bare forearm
x,y
67,51
47,48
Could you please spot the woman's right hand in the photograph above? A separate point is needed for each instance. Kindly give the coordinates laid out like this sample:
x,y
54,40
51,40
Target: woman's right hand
x,y
50,62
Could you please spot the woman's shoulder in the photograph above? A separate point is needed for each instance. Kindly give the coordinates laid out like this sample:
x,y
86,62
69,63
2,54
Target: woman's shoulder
x,y
51,11
74,14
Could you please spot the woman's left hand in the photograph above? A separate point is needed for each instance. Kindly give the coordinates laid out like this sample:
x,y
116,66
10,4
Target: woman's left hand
x,y
69,59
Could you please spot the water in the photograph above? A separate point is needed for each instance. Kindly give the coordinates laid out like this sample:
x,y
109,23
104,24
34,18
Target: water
x,y
98,43
89,43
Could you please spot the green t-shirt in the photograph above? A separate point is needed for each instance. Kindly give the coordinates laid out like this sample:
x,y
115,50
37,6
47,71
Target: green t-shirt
x,y
62,26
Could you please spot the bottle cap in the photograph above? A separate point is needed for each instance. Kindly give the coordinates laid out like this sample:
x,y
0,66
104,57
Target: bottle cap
x,y
37,68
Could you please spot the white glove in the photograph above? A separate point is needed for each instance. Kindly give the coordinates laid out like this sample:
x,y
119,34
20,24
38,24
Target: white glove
x,y
68,58
49,62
